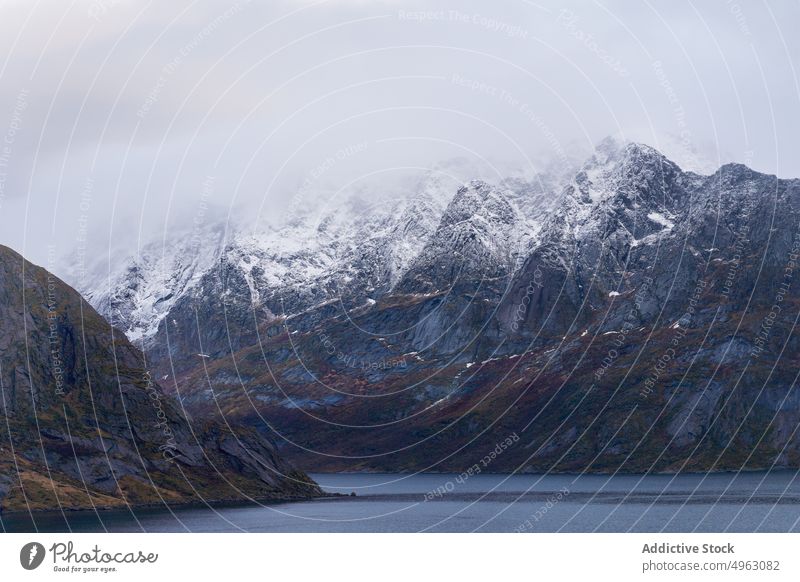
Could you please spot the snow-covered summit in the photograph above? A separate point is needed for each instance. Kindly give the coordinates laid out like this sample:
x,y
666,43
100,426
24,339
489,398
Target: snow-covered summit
x,y
136,292
458,220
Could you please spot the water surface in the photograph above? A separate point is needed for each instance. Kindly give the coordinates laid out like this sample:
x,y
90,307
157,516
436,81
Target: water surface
x,y
743,502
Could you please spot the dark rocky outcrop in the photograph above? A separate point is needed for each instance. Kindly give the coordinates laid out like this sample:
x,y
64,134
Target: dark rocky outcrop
x,y
85,424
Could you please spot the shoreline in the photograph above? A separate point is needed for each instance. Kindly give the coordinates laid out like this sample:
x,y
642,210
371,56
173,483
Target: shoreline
x,y
568,473
209,504
335,496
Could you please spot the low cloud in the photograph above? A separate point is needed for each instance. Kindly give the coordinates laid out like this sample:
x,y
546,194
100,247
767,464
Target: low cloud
x,y
146,101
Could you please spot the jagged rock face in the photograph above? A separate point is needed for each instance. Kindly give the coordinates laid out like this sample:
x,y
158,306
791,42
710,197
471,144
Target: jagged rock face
x,y
339,260
627,323
349,254
479,237
616,219
136,293
87,425
343,261
641,218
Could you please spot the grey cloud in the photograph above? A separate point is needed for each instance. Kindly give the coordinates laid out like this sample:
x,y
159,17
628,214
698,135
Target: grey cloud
x,y
146,100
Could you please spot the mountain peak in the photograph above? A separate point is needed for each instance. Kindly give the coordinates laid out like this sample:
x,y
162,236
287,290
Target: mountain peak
x,y
613,149
478,199
737,170
620,166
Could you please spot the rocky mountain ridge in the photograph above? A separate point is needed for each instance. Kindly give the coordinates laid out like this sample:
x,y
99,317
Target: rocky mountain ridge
x,y
624,330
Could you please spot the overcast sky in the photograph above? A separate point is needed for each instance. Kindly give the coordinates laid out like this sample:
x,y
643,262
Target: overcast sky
x,y
118,117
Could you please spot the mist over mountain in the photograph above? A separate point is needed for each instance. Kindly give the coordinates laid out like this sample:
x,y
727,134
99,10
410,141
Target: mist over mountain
x,y
618,315
170,110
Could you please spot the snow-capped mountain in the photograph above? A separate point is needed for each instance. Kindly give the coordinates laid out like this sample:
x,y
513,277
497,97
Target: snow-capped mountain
x,y
136,292
604,322
353,253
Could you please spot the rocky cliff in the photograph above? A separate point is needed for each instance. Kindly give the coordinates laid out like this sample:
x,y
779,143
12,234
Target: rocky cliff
x,y
645,320
86,425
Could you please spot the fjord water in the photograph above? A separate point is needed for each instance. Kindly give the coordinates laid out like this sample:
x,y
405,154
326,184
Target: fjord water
x,y
735,502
